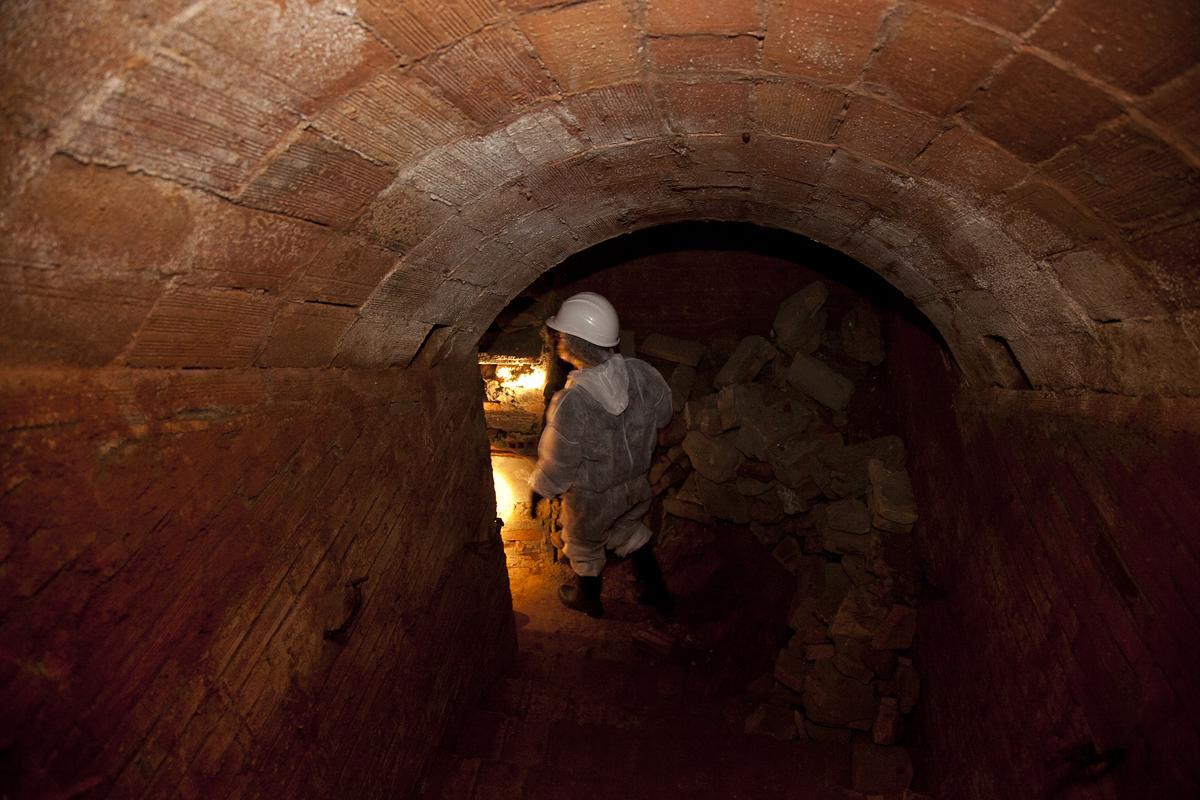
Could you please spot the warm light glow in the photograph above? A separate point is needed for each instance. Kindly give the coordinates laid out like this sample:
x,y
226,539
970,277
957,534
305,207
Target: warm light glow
x,y
511,477
529,378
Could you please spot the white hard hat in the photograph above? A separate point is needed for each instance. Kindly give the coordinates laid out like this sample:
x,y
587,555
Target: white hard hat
x,y
588,316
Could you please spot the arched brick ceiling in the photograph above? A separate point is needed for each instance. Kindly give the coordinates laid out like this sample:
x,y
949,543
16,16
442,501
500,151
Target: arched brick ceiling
x,y
303,183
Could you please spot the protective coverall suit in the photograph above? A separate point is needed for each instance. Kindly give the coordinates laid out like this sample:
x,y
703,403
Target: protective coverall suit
x,y
595,451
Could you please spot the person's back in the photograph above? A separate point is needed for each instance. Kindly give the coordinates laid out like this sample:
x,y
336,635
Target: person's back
x,y
595,451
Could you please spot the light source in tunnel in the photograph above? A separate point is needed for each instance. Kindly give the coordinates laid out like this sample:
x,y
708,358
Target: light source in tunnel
x,y
510,474
521,377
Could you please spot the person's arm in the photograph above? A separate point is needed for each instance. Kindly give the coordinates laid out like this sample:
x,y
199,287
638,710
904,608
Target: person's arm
x,y
560,449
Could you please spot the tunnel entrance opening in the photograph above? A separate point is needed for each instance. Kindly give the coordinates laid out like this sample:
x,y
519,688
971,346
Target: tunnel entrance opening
x,y
782,514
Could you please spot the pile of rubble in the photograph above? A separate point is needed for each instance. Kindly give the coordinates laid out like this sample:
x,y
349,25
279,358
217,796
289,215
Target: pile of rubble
x,y
758,443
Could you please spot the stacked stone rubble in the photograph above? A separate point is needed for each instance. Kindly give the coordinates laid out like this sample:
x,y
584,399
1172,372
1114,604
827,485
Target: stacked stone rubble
x,y
756,441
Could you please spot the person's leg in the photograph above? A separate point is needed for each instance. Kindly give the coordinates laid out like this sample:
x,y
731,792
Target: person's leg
x,y
584,548
630,537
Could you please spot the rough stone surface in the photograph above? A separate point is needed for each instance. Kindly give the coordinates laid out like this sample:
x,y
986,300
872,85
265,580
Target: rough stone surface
x,y
819,382
832,699
861,334
670,348
751,355
801,319
714,457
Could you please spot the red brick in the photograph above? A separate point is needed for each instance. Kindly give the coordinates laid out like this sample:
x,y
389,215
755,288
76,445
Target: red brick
x,y
172,117
1035,109
227,233
317,179
1127,175
825,40
884,132
349,54
703,53
615,114
964,160
1044,219
345,273
798,110
1013,15
714,16
203,328
566,40
392,118
418,28
708,107
402,216
1104,286
933,60
790,160
489,75
463,170
1177,106
1134,47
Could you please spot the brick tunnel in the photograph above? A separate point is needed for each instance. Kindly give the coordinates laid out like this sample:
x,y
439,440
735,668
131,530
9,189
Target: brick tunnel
x,y
249,250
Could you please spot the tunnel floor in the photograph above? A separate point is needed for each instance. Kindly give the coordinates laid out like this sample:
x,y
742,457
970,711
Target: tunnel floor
x,y
637,706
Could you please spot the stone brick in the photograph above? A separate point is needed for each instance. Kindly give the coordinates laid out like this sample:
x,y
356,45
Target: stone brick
x,y
566,41
1174,253
967,161
402,216
393,117
191,327
1152,356
1035,109
798,110
716,16
1128,176
615,114
1103,285
933,60
488,75
788,160
1177,106
175,118
306,334
1013,15
418,27
345,273
1044,220
378,345
703,53
708,107
319,180
1132,47
827,40
884,132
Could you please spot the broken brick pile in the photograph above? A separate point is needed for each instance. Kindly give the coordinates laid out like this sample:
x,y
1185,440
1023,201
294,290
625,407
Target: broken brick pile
x,y
757,442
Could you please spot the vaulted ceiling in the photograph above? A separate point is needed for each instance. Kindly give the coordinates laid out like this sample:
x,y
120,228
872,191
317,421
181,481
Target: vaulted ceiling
x,y
297,183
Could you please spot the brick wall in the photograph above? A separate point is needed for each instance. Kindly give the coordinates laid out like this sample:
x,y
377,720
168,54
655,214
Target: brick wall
x,y
1062,547
174,546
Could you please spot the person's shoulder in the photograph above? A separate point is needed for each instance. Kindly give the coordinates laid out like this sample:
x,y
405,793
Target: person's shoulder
x,y
647,371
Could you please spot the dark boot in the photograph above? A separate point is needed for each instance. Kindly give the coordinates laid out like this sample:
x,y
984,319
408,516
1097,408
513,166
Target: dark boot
x,y
583,595
652,589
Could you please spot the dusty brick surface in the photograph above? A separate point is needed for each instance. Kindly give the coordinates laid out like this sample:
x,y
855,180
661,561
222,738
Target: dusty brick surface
x,y
885,132
1014,15
703,53
305,334
828,40
1135,48
717,16
707,107
970,162
1177,106
319,180
616,114
1128,176
488,75
418,28
798,110
1035,109
566,40
293,485
933,61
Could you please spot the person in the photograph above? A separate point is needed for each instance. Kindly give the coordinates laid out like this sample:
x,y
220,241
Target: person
x,y
595,452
